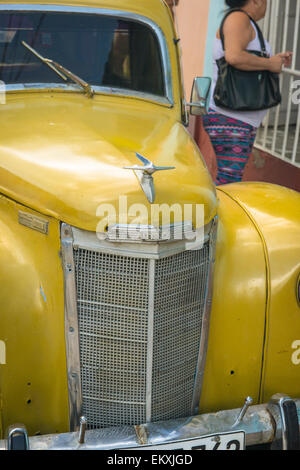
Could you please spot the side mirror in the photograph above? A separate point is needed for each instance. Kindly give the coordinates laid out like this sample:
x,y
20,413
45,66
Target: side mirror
x,y
200,96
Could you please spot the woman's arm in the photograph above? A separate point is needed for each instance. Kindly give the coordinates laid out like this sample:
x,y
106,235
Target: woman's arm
x,y
238,32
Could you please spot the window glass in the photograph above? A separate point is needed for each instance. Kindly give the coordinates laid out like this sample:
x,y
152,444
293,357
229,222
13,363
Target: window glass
x,y
103,51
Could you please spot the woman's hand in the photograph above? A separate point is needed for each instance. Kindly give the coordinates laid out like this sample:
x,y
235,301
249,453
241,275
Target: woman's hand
x,y
284,59
287,58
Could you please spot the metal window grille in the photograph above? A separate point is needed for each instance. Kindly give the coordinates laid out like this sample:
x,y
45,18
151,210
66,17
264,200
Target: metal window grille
x,y
279,133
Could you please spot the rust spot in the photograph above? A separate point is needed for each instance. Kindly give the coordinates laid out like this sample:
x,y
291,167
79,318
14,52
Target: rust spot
x,y
141,434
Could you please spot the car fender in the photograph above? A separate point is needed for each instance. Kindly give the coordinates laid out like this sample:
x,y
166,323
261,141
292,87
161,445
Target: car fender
x,y
276,211
33,378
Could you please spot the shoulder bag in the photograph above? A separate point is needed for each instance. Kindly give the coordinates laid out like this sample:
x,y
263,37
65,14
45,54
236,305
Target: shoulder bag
x,y
241,90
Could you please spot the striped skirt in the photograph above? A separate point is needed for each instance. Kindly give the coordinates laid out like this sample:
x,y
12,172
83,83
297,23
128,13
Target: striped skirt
x,y
233,142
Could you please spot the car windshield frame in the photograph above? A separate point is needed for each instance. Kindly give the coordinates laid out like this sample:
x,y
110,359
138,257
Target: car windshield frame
x,y
167,99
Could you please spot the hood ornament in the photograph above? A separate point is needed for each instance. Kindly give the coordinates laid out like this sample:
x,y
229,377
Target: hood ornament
x,y
144,175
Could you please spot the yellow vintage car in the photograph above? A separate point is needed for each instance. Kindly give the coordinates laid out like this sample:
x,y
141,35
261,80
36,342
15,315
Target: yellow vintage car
x,y
141,306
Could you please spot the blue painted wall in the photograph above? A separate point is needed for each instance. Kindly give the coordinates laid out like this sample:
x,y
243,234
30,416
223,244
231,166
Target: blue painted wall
x,y
216,11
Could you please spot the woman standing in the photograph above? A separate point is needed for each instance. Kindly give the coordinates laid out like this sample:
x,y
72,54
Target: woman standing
x,y
233,133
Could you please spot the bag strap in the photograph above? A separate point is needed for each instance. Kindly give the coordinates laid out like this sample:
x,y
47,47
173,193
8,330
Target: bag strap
x,y
260,35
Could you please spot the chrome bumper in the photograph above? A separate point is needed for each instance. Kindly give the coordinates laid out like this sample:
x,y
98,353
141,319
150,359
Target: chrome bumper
x,y
262,424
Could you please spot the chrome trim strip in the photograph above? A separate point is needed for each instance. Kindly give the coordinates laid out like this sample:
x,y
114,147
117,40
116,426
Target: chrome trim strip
x,y
71,88
120,14
71,328
149,233
156,250
150,341
205,321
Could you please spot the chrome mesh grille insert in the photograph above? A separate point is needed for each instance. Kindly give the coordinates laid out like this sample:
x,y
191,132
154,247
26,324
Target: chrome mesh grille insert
x,y
113,311
180,285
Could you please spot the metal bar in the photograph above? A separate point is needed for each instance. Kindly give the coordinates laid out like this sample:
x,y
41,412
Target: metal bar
x,y
258,425
274,13
150,341
71,328
82,429
118,338
270,16
296,35
266,128
276,122
239,419
286,23
296,141
108,400
274,23
44,60
267,21
205,322
101,304
284,45
287,122
291,71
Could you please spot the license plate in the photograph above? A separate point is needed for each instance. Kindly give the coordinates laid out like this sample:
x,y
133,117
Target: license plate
x,y
224,441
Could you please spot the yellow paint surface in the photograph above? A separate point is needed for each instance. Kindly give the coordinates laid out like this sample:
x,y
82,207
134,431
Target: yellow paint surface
x,y
254,339
276,211
33,380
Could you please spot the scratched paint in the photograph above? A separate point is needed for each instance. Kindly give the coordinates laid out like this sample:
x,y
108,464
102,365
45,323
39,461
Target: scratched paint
x,y
43,294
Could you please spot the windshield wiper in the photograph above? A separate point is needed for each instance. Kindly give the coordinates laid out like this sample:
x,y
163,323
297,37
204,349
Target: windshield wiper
x,y
62,71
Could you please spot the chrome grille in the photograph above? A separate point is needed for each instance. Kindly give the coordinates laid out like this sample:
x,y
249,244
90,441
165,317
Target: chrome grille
x,y
180,284
112,302
114,298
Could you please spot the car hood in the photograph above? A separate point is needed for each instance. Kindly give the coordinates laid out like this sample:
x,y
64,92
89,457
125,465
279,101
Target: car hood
x,y
64,155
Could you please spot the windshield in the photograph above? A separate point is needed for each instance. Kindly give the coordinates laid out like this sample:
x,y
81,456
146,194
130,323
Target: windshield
x,y
102,50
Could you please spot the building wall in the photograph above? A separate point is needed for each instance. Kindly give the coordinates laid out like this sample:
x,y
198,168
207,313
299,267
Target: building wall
x,y
216,11
198,21
192,19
